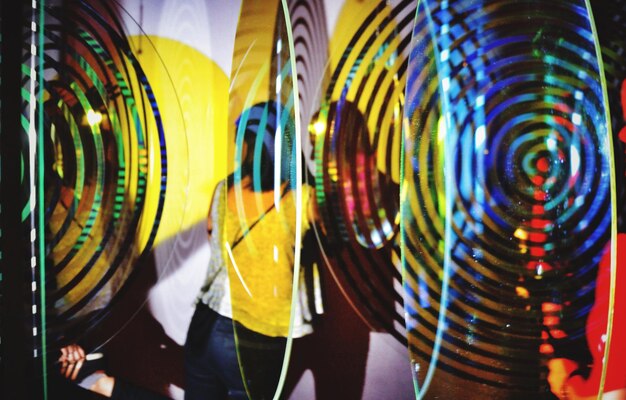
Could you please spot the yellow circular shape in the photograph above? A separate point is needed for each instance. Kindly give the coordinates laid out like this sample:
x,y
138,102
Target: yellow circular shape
x,y
192,95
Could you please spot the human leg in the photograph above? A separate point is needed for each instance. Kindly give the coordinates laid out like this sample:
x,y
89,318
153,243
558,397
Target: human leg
x,y
223,353
201,381
211,366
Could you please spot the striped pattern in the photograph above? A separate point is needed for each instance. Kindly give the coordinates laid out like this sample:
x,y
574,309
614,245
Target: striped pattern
x,y
99,117
506,205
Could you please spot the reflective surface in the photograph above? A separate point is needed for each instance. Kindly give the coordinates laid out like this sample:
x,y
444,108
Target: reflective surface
x,y
453,159
506,205
266,207
357,145
105,164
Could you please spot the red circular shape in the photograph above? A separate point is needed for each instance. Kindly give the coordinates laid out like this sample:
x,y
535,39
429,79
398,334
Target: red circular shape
x,y
543,165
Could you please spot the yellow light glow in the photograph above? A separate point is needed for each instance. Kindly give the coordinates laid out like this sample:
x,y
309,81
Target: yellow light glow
x,y
522,292
319,127
521,234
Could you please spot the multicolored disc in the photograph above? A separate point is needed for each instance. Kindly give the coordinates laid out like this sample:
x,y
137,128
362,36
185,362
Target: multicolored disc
x,y
105,166
506,193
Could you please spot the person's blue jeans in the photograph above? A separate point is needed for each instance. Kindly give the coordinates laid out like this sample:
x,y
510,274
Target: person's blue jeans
x,y
212,368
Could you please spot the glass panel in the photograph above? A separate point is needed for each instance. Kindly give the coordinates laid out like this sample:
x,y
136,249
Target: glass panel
x,y
357,146
105,166
506,195
611,29
265,213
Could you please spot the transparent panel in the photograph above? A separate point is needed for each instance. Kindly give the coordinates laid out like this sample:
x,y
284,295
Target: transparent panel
x,y
357,135
506,197
265,206
610,22
105,166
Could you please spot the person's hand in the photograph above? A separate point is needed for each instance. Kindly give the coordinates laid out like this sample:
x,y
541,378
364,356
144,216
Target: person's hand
x,y
71,360
560,370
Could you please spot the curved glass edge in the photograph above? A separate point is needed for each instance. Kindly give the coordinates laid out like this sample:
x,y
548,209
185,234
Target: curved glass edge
x,y
449,168
420,392
153,202
613,194
298,243
159,206
283,11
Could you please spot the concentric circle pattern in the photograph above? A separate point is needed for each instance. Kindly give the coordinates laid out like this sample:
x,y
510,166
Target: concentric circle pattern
x,y
357,143
311,45
505,201
104,144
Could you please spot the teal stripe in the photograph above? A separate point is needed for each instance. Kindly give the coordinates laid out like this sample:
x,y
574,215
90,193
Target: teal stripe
x,y
41,206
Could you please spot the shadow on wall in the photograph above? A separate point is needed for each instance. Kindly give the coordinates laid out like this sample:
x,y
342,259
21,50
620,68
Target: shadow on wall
x,y
143,353
147,351
335,353
344,359
146,330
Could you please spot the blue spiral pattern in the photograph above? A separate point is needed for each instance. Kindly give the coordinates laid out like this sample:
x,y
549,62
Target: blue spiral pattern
x,y
506,187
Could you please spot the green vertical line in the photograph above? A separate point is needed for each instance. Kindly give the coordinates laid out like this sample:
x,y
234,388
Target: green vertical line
x,y
40,200
613,266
